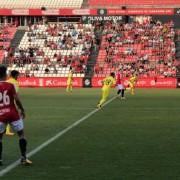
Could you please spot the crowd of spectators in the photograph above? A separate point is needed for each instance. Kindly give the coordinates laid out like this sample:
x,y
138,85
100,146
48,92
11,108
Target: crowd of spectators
x,y
7,32
65,44
147,48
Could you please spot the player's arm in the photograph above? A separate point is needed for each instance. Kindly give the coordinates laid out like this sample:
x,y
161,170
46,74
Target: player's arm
x,y
135,80
19,105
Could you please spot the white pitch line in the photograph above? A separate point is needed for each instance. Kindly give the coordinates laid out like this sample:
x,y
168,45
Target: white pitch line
x,y
49,141
62,108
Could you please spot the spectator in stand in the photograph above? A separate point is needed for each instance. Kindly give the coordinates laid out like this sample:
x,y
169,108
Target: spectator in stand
x,y
5,56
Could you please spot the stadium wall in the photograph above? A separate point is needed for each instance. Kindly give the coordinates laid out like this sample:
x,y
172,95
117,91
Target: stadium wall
x,y
145,82
94,82
23,16
48,82
75,12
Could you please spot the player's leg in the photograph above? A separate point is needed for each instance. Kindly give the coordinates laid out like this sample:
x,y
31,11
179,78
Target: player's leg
x,y
102,95
67,88
18,127
122,91
132,89
70,88
2,130
105,94
9,131
122,94
98,105
118,89
23,148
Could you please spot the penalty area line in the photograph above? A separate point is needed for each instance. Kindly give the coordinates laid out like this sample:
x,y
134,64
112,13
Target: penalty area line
x,y
52,139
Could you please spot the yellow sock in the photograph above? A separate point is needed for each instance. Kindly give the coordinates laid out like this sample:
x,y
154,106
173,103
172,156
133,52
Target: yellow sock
x,y
132,91
71,88
8,130
67,89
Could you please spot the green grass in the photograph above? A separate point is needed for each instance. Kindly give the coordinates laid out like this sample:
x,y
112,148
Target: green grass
x,y
135,139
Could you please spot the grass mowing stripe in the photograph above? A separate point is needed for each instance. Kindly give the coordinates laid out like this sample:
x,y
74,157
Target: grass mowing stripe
x,y
49,141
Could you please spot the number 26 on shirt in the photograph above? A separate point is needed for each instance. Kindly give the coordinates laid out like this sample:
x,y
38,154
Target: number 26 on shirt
x,y
4,99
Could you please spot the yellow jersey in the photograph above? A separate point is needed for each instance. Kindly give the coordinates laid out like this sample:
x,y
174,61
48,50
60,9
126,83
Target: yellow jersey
x,y
70,77
133,79
15,83
108,82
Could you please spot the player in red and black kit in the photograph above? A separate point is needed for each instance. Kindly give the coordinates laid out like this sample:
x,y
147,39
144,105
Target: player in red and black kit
x,y
120,85
9,114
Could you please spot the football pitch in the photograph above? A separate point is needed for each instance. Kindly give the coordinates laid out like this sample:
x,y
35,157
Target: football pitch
x,y
133,139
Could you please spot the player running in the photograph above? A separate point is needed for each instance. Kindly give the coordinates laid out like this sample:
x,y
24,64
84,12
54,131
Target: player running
x,y
120,85
69,81
132,82
9,114
108,82
13,79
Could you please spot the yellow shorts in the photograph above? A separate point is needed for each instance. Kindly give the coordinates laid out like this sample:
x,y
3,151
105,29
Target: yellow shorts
x,y
69,83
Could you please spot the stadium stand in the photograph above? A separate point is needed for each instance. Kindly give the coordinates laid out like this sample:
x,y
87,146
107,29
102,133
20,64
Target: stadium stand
x,y
50,50
135,2
6,35
40,3
178,52
147,47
